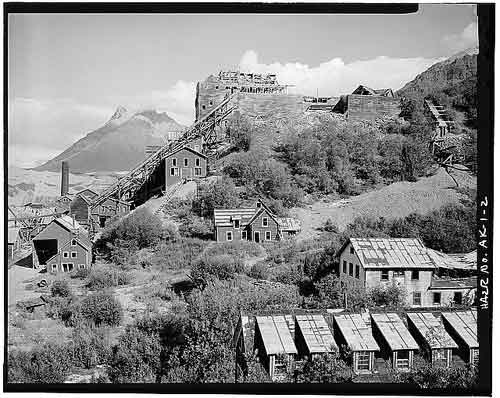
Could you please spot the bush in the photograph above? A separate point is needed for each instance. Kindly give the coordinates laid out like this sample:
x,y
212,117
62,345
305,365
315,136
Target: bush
x,y
239,249
388,296
49,363
80,273
223,266
259,271
100,309
177,255
325,368
196,227
60,288
220,195
102,277
89,347
330,226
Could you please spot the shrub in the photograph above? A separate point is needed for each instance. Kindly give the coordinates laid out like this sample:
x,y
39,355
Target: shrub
x,y
223,266
329,292
101,309
221,194
239,249
49,363
177,255
60,288
325,368
102,277
89,347
388,296
330,226
80,273
196,227
259,271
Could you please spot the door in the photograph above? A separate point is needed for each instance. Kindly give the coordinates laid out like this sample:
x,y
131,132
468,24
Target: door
x,y
256,236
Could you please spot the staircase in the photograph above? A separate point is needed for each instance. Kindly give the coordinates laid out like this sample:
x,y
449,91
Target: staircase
x,y
169,193
128,185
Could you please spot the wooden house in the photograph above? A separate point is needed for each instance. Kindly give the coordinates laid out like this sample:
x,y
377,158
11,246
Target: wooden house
x,y
101,214
62,246
462,327
355,332
79,209
396,343
184,164
428,330
88,193
313,336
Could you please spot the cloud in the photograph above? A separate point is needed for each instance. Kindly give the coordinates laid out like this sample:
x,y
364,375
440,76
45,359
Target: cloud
x,y
334,77
461,41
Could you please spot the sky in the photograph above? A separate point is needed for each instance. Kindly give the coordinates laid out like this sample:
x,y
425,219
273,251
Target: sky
x,y
68,72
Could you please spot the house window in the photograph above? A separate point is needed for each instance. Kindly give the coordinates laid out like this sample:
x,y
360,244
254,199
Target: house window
x,y
81,266
174,171
417,298
102,222
357,271
73,242
457,297
211,102
268,235
244,235
74,254
363,360
439,355
203,107
197,171
197,162
398,273
186,162
344,267
70,267
66,254
54,267
402,359
65,267
265,222
352,250
414,275
229,236
216,87
351,269
436,298
237,224
174,162
259,205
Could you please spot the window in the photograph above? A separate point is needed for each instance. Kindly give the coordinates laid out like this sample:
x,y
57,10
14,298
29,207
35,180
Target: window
x,y
414,275
203,107
402,359
186,162
439,355
197,171
244,235
417,298
352,250
436,298
54,267
268,235
174,171
73,242
74,254
174,162
259,205
237,224
211,102
102,222
216,87
229,236
265,221
70,267
363,360
197,162
457,297
65,267
351,269
357,271
66,254
81,266
398,273
344,267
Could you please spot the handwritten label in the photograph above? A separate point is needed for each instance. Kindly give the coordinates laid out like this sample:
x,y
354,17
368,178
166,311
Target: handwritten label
x,y
484,261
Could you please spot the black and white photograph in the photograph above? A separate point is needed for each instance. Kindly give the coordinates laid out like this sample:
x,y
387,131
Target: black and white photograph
x,y
248,198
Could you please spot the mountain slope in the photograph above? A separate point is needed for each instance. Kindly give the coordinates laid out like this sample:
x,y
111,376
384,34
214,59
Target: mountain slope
x,y
118,145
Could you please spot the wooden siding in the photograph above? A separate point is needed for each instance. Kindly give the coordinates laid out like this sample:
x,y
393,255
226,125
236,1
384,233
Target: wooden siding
x,y
184,171
79,209
256,226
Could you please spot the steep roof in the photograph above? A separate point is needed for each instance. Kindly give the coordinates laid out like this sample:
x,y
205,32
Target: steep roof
x,y
432,330
357,332
316,333
88,193
395,332
224,217
261,210
464,323
187,149
276,335
391,253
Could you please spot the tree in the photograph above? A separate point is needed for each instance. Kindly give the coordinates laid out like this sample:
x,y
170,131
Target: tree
x,y
60,288
329,292
325,368
392,295
221,194
101,309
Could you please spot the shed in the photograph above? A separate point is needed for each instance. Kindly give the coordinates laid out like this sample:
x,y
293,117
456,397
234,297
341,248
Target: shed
x,y
462,326
313,335
275,345
356,333
429,331
396,342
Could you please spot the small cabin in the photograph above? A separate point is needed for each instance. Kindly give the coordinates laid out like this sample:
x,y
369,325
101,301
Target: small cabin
x,y
275,346
313,336
428,330
396,343
462,327
355,332
184,164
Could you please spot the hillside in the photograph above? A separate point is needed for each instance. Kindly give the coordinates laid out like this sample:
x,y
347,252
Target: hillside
x,y
119,144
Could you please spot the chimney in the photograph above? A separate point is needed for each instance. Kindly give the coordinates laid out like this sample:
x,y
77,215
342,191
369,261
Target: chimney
x,y
64,177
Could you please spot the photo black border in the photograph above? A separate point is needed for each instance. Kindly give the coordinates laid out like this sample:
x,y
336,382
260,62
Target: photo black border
x,y
486,21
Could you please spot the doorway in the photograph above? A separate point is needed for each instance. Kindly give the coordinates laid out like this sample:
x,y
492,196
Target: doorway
x,y
256,236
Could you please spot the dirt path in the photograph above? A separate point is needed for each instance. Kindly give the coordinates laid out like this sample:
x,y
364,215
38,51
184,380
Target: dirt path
x,y
396,200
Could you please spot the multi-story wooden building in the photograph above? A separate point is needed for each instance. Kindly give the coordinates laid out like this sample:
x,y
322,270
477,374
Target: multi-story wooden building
x,y
62,246
185,164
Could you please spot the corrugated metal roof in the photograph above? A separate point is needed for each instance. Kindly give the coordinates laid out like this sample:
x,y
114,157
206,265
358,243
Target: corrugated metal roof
x,y
276,335
317,334
13,234
395,332
357,332
288,223
453,283
431,328
392,253
224,217
465,325
465,261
